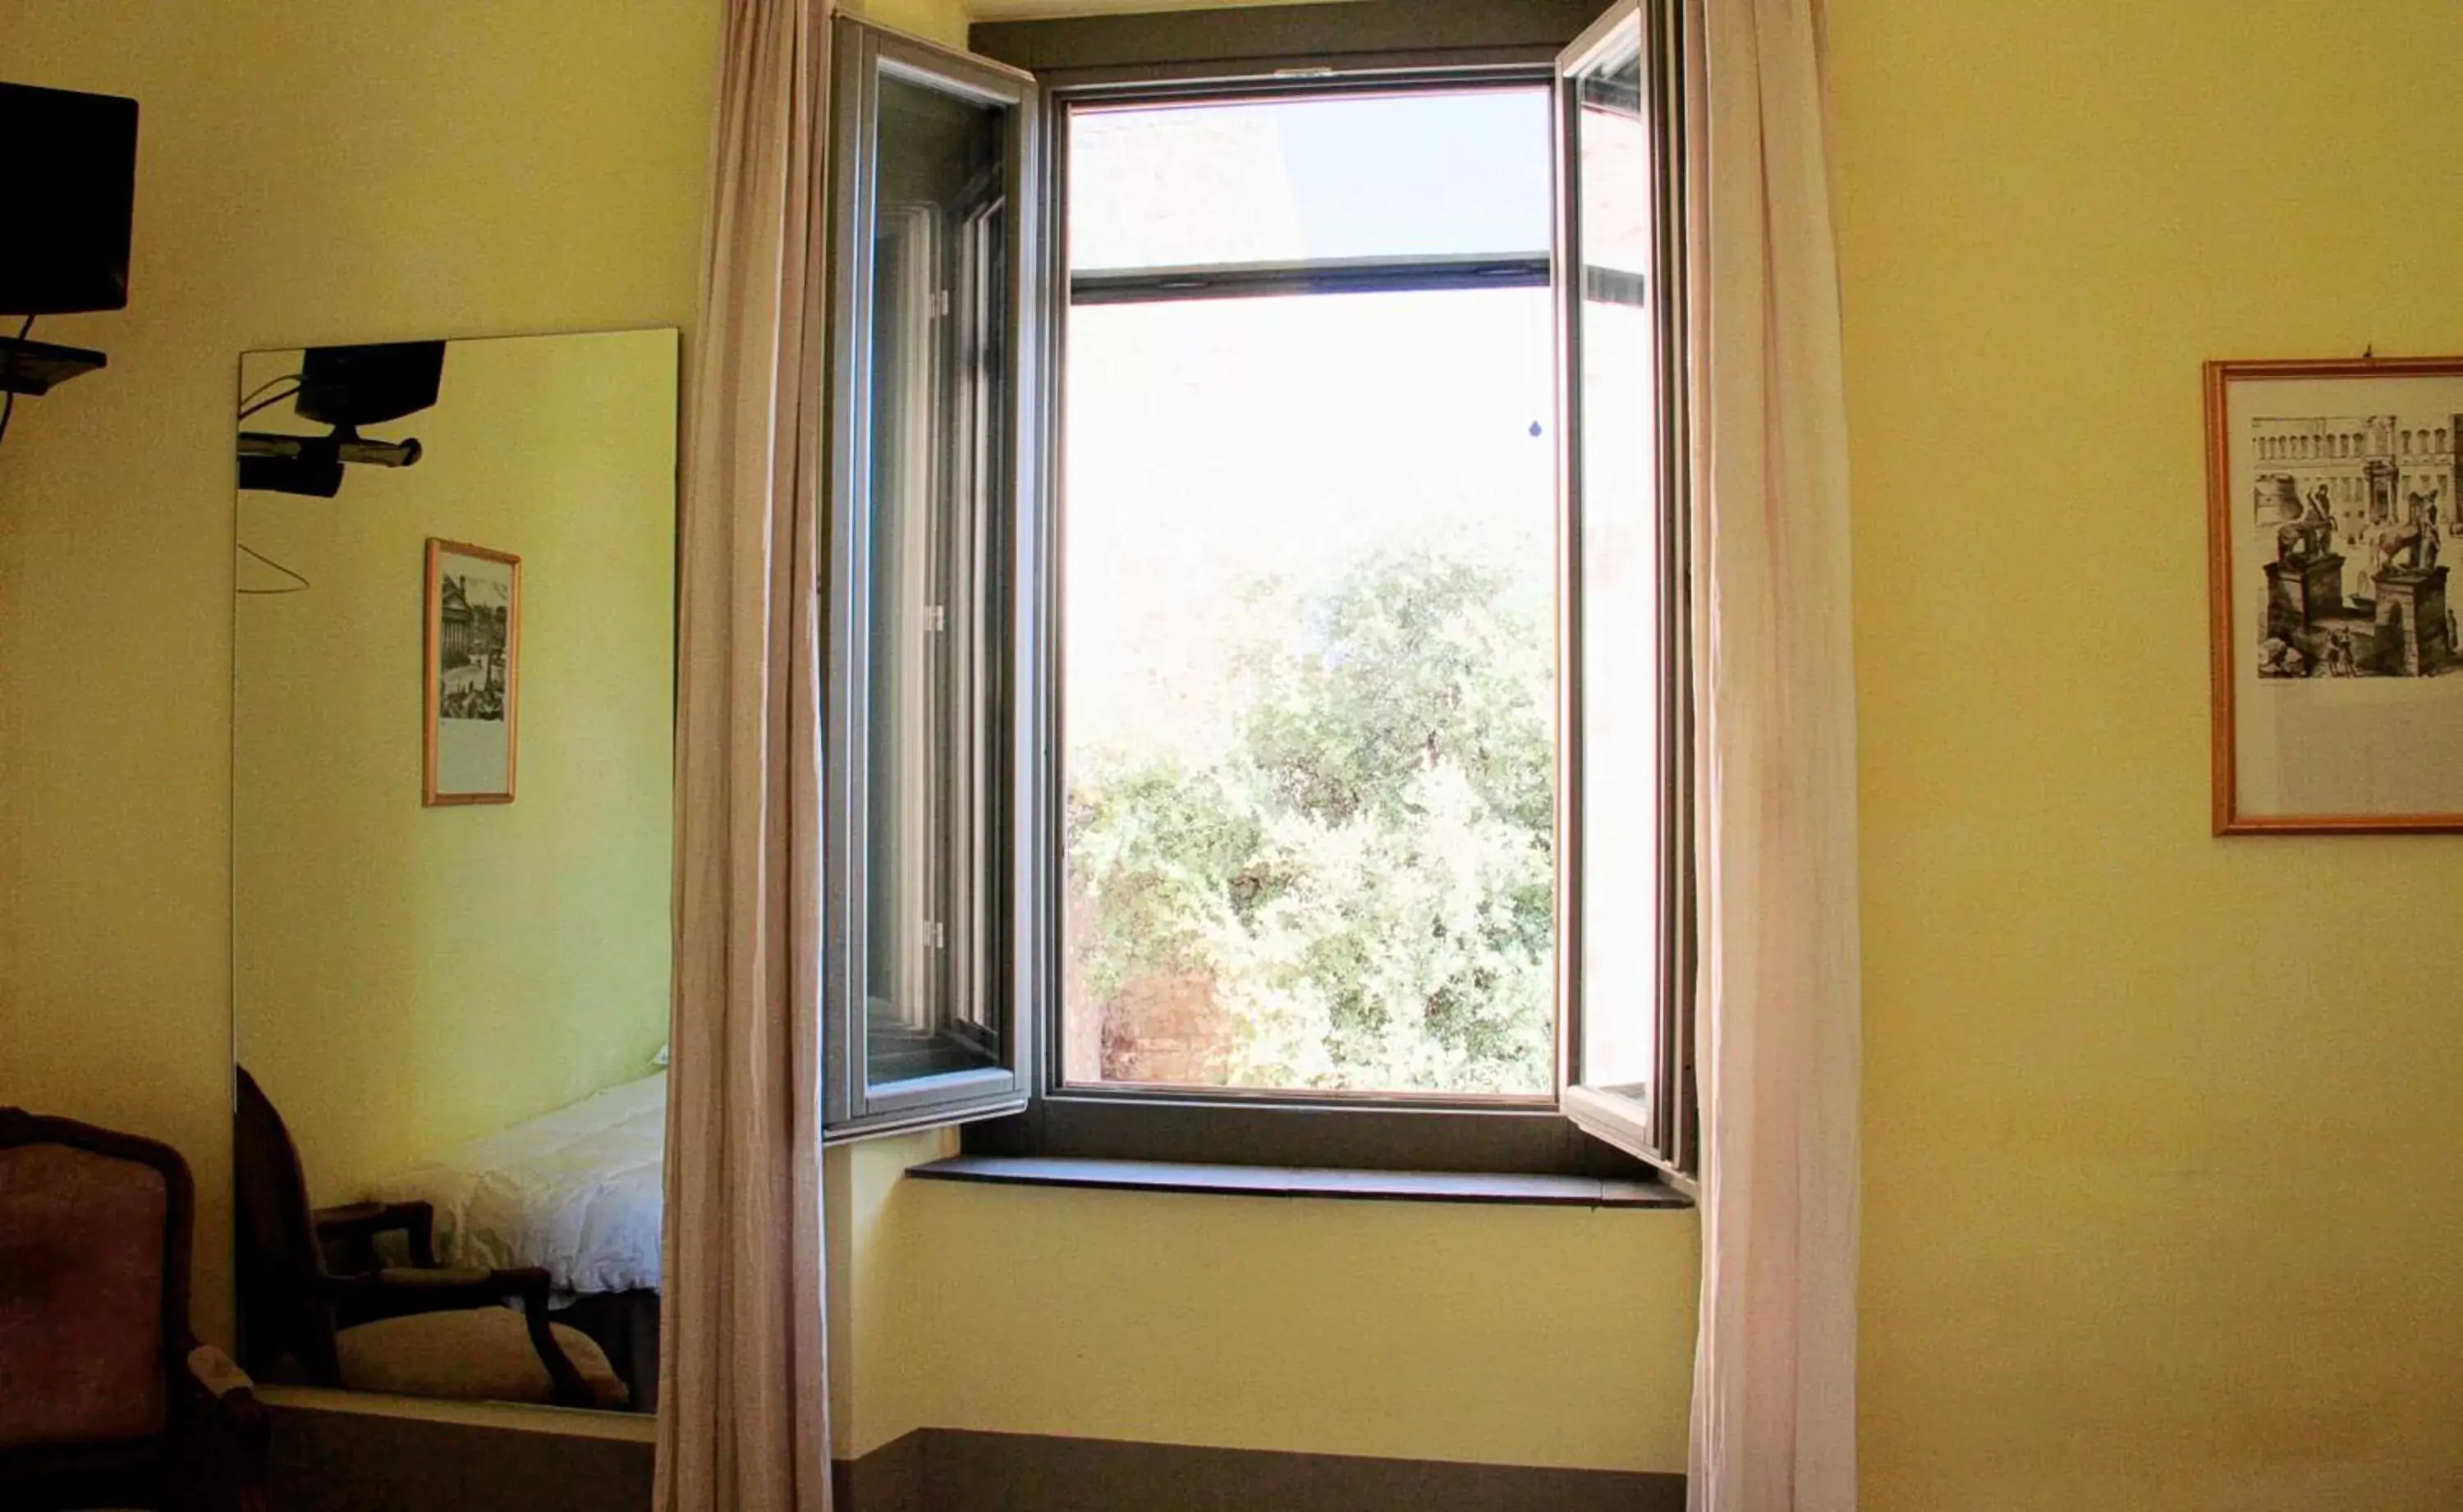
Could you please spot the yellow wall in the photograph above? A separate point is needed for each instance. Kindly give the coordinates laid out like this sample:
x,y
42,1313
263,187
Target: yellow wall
x,y
309,171
1509,1335
2160,1208
1505,1335
2157,1209
316,171
942,21
409,977
883,1284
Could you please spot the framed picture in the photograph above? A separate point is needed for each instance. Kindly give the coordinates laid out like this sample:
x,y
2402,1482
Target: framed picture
x,y
473,665
2332,494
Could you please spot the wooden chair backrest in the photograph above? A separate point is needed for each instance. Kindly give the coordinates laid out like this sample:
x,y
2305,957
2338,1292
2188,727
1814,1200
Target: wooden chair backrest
x,y
282,1299
94,1233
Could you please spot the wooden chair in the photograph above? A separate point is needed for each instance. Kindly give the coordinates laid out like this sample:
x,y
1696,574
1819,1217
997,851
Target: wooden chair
x,y
418,1330
106,1398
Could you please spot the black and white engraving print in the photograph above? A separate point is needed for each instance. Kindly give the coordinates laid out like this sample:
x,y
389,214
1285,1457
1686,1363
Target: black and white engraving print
x,y
2354,508
472,621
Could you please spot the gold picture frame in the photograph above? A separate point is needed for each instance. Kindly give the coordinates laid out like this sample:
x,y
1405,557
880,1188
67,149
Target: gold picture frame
x,y
2333,488
470,682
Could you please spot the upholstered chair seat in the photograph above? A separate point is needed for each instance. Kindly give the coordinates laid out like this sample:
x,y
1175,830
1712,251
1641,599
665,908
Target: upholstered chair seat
x,y
474,1354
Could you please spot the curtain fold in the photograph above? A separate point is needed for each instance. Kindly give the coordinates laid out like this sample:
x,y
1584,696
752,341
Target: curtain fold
x,y
743,1354
1778,1046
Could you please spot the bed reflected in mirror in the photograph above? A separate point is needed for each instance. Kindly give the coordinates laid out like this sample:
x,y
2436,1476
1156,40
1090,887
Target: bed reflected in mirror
x,y
453,698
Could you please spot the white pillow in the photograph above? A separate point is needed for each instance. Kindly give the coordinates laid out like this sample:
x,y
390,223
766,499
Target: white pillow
x,y
660,1059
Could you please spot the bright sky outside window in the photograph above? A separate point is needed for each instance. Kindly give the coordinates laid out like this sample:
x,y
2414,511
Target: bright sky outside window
x,y
1308,608
1464,172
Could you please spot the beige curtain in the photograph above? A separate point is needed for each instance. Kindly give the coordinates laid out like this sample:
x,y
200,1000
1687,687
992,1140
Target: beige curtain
x,y
745,1420
1774,1369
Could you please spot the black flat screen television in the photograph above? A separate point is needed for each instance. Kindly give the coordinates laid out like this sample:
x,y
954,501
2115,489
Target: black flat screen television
x,y
68,177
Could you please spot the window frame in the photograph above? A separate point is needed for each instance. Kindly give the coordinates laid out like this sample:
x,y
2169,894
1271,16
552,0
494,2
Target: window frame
x,y
852,1107
1362,1131
1665,1131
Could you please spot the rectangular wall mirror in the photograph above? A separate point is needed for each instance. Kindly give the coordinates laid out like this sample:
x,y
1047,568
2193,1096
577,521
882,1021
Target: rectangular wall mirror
x,y
452,820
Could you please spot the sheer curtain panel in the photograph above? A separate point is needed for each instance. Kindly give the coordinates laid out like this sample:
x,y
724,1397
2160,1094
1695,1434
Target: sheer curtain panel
x,y
744,1357
1778,1040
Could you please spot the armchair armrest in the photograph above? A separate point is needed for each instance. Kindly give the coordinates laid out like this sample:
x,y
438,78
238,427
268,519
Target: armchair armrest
x,y
237,1429
214,1370
415,1277
356,1227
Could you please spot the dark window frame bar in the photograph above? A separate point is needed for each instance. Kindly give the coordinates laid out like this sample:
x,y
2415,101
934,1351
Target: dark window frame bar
x,y
1223,1125
1346,275
1359,36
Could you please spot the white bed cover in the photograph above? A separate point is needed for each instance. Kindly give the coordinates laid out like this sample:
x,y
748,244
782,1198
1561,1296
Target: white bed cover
x,y
577,1191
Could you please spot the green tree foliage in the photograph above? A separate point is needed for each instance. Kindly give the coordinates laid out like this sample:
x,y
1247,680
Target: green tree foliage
x,y
1357,875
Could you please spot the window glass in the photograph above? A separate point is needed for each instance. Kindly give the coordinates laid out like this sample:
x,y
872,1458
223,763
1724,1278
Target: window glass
x,y
1308,687
1439,173
1620,508
932,513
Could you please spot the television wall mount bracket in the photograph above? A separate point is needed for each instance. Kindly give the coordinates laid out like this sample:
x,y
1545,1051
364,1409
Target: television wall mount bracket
x,y
38,367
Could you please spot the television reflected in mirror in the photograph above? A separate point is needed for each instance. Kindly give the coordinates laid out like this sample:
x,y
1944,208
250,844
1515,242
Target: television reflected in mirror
x,y
453,809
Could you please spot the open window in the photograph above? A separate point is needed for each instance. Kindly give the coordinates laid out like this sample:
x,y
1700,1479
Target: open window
x,y
1628,818
928,894
1259,714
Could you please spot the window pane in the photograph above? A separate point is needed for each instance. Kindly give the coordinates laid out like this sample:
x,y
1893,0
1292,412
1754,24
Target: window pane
x,y
1620,513
1308,721
1389,176
937,388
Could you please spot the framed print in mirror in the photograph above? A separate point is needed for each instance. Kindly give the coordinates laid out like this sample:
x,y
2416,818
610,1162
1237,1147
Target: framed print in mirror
x,y
473,674
2338,666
